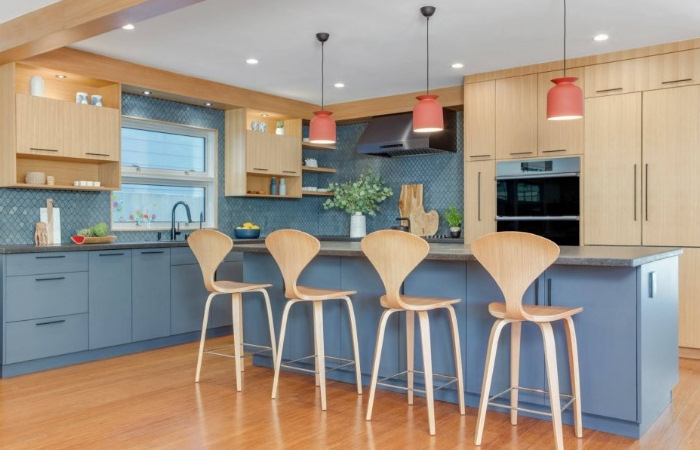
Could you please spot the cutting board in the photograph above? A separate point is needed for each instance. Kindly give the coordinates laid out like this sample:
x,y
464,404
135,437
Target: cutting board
x,y
411,206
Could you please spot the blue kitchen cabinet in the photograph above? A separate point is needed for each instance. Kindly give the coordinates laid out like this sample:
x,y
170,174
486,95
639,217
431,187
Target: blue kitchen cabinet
x,y
150,293
109,298
187,292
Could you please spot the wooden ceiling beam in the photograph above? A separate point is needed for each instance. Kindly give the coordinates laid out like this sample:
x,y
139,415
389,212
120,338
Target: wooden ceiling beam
x,y
69,21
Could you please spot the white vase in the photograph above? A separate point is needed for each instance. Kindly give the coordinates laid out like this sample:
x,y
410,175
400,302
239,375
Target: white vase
x,y
358,226
279,131
36,86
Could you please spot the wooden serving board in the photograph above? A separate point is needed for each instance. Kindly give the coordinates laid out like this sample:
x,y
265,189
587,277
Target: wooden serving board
x,y
411,206
411,197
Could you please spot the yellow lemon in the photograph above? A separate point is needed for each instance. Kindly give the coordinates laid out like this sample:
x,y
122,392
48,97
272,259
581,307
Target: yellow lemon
x,y
247,225
255,227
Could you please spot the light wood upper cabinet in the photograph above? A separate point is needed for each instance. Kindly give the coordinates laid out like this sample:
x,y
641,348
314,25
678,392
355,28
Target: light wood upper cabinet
x,y
258,152
479,199
673,70
91,132
288,156
557,137
671,142
612,201
39,126
618,77
516,117
480,120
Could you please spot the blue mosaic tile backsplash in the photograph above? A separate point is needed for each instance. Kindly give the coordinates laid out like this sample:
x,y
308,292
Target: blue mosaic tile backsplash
x,y
441,175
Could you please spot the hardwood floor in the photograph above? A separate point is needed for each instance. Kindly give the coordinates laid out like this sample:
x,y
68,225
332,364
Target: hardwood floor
x,y
150,400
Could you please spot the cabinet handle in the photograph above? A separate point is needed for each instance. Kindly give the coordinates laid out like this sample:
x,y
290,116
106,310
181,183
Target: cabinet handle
x,y
50,322
479,156
111,254
50,279
537,291
635,192
289,171
609,90
43,149
259,168
676,81
646,192
152,252
652,284
478,196
50,257
521,153
97,154
549,292
554,151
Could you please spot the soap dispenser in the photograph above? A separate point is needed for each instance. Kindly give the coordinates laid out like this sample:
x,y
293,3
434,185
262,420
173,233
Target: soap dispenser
x,y
273,186
283,187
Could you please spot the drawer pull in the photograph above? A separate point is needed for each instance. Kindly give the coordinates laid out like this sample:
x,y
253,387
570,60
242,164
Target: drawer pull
x,y
609,90
50,279
554,151
289,171
676,81
258,168
478,156
521,153
152,252
97,154
50,322
50,257
111,254
43,149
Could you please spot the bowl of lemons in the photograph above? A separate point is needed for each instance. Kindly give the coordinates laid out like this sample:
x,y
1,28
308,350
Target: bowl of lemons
x,y
247,231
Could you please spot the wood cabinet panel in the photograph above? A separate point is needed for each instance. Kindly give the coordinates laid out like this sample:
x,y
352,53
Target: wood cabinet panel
x,y
287,156
258,156
480,120
39,126
557,137
91,132
673,70
671,142
516,117
612,200
618,77
479,199
688,299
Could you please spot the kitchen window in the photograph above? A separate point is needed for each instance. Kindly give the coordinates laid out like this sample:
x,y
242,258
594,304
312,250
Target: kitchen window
x,y
163,163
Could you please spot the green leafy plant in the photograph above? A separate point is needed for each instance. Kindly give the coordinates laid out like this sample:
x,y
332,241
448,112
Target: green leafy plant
x,y
280,124
99,230
453,217
362,195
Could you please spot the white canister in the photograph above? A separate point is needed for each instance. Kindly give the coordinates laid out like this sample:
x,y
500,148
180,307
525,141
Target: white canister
x,y
81,97
358,226
96,100
36,86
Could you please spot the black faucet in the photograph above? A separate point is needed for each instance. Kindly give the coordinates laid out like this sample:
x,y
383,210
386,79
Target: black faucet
x,y
173,231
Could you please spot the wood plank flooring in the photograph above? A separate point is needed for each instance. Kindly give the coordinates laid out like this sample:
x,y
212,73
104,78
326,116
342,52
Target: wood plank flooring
x,y
149,400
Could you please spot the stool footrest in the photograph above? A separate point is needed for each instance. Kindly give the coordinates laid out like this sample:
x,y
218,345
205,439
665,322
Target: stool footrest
x,y
570,397
288,364
381,381
213,351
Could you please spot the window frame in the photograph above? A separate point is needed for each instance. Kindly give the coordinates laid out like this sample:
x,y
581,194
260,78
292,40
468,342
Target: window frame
x,y
163,177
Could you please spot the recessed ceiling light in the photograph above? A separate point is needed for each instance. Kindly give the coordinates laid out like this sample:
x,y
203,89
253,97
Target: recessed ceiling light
x,y
251,61
128,26
207,104
457,65
600,37
146,92
264,115
60,76
339,85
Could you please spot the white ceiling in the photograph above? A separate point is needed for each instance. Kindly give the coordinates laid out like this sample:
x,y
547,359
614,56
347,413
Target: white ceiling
x,y
377,47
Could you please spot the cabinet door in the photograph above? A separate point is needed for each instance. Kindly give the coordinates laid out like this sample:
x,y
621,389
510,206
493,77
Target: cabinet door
x,y
673,70
39,126
150,293
688,301
91,132
516,117
557,137
671,142
612,201
287,155
618,77
109,278
480,121
188,297
258,157
479,199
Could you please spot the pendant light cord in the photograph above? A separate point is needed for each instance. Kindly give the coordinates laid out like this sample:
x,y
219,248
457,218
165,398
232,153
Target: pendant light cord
x,y
322,44
564,38
427,55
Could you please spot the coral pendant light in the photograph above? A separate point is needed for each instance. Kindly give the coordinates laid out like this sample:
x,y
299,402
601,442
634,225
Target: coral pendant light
x,y
322,126
427,114
565,99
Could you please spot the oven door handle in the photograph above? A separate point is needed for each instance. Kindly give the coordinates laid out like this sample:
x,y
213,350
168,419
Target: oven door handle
x,y
533,218
530,176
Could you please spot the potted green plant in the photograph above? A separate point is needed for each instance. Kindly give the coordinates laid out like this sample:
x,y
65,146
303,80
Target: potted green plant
x,y
280,128
357,198
454,220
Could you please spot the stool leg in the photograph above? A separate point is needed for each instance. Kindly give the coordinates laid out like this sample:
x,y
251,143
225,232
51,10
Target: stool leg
x,y
320,352
280,347
355,344
203,337
488,375
457,357
237,337
515,329
270,323
573,370
427,367
240,328
377,358
410,344
550,353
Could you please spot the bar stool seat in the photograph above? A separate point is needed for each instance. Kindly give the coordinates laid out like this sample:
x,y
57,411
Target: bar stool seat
x,y
309,293
536,313
231,287
421,303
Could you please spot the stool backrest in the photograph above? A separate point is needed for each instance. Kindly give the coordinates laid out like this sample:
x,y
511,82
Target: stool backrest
x,y
394,254
293,250
514,260
210,247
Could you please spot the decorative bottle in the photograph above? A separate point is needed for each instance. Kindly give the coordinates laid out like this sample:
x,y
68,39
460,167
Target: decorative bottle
x,y
273,186
283,187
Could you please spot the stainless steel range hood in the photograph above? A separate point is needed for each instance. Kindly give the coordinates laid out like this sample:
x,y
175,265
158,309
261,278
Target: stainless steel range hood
x,y
393,136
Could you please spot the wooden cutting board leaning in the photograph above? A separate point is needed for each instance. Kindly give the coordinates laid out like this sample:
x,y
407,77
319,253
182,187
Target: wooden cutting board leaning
x,y
411,206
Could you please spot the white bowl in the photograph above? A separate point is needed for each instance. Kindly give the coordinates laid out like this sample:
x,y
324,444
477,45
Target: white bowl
x,y
35,178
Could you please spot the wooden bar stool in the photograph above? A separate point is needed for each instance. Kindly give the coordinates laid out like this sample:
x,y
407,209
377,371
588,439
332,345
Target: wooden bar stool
x,y
394,254
293,250
210,247
515,260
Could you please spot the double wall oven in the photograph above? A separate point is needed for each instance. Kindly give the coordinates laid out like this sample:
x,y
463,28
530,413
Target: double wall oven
x,y
540,196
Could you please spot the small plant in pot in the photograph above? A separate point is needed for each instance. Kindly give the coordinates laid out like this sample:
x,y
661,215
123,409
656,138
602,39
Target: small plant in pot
x,y
454,220
280,128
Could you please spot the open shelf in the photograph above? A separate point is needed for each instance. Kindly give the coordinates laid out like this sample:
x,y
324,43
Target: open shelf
x,y
61,187
316,193
317,169
309,145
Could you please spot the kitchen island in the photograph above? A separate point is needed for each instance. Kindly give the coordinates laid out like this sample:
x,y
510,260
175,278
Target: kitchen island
x,y
627,332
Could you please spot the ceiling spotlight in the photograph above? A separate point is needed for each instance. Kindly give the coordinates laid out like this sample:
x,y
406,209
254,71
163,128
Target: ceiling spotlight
x,y
207,104
457,65
251,61
600,37
339,85
128,26
60,76
264,115
146,92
